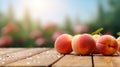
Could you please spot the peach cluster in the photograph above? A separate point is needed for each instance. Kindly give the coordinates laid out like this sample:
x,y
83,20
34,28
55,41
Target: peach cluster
x,y
86,44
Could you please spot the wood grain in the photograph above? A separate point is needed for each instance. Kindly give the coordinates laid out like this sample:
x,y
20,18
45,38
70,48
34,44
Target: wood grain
x,y
2,49
12,57
43,59
103,61
51,58
9,50
74,61
116,61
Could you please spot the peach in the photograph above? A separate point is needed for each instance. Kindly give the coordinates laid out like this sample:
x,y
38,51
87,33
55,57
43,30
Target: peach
x,y
63,44
83,44
96,37
107,45
118,41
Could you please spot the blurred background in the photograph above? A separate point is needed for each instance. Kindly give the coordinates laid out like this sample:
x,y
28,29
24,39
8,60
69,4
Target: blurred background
x,y
37,23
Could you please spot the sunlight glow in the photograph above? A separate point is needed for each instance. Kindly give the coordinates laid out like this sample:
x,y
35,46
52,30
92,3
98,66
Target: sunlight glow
x,y
43,9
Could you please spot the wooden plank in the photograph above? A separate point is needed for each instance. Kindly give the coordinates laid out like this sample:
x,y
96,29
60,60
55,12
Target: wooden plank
x,y
103,61
74,61
2,49
43,59
116,61
10,50
107,61
118,53
12,57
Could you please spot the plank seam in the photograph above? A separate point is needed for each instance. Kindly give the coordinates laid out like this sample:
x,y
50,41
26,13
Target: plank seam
x,y
118,53
28,56
92,60
56,61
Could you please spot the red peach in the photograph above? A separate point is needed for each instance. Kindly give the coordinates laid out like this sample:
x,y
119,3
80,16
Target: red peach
x,y
107,45
63,44
118,41
96,37
83,44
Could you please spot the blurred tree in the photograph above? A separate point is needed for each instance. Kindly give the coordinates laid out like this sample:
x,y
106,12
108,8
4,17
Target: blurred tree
x,y
100,21
68,25
77,20
10,13
27,21
79,27
38,25
6,19
101,13
0,16
114,16
1,24
109,20
48,31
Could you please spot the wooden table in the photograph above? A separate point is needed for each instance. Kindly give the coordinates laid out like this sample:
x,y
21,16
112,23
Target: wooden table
x,y
50,58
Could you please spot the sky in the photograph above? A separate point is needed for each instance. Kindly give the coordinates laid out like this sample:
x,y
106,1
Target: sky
x,y
52,10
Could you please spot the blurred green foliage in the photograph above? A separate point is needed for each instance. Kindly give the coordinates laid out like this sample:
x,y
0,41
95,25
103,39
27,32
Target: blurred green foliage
x,y
109,20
